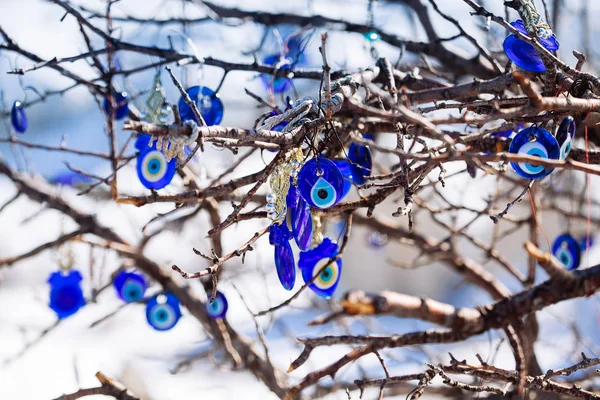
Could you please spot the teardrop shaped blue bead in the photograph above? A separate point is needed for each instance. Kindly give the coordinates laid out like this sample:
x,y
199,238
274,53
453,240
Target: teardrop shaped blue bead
x,y
284,262
18,119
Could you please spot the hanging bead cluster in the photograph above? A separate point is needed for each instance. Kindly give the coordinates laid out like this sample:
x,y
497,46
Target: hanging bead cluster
x,y
279,182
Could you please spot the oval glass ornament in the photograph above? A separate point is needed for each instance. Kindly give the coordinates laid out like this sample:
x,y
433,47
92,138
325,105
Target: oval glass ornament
x,y
312,261
361,162
281,84
346,171
66,296
523,54
130,286
279,236
300,218
534,142
163,312
567,250
121,103
153,170
218,308
320,183
208,102
565,135
18,118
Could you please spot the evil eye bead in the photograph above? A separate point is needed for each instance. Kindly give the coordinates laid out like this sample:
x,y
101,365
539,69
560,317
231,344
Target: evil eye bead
x,y
279,236
300,219
346,171
218,307
314,262
372,36
320,183
567,250
534,142
361,162
18,119
153,169
281,84
208,102
122,105
66,296
565,135
524,54
130,286
163,312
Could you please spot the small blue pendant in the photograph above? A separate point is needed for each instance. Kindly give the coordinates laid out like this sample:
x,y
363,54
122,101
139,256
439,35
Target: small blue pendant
x,y
218,308
346,171
163,312
565,135
208,102
534,142
567,250
153,170
524,54
312,261
18,119
130,286
300,218
360,162
281,84
320,183
586,242
66,296
372,36
122,105
279,236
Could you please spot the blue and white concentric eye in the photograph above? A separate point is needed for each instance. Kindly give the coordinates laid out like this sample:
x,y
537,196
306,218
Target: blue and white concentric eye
x,y
321,183
218,308
314,264
153,169
130,286
567,250
534,142
565,136
163,312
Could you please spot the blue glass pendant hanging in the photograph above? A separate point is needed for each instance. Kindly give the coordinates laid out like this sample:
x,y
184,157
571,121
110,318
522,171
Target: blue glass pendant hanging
x,y
346,171
66,296
208,102
280,84
360,162
312,261
121,103
18,119
153,170
534,142
279,237
586,242
567,250
163,312
130,286
218,308
565,135
320,183
372,36
300,219
524,54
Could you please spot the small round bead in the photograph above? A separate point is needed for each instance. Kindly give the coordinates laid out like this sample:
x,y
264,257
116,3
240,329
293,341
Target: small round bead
x,y
294,173
271,198
295,164
270,207
272,215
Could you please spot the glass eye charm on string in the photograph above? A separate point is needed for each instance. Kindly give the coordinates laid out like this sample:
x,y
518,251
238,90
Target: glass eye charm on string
x,y
130,286
567,250
163,312
66,296
523,54
361,162
121,102
218,307
208,102
153,169
18,119
321,183
538,142
311,264
565,136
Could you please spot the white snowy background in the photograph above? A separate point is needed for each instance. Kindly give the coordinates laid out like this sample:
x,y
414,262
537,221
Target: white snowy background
x,y
124,346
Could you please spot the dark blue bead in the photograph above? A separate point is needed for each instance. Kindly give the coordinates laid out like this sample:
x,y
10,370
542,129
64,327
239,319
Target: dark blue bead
x,y
130,286
66,296
208,102
281,84
566,249
142,141
534,142
70,178
360,162
320,183
153,170
565,135
524,54
163,312
300,219
122,105
346,171
586,242
312,261
279,236
18,119
218,308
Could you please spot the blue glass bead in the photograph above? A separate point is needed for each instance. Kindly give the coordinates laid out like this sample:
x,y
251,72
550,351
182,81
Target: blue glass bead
x,y
471,169
586,242
279,236
70,178
18,119
567,250
346,171
360,162
153,170
66,296
320,183
218,307
372,36
142,141
508,132
163,312
122,105
312,261
300,219
534,142
130,286
369,136
565,135
377,239
208,102
279,85
524,54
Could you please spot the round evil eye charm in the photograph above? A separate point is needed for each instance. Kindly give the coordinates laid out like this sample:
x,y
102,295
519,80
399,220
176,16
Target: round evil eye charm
x,y
18,119
346,171
360,162
567,250
524,54
281,84
565,136
153,170
534,142
218,307
321,183
279,236
121,103
163,312
66,296
208,102
130,286
299,219
311,264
